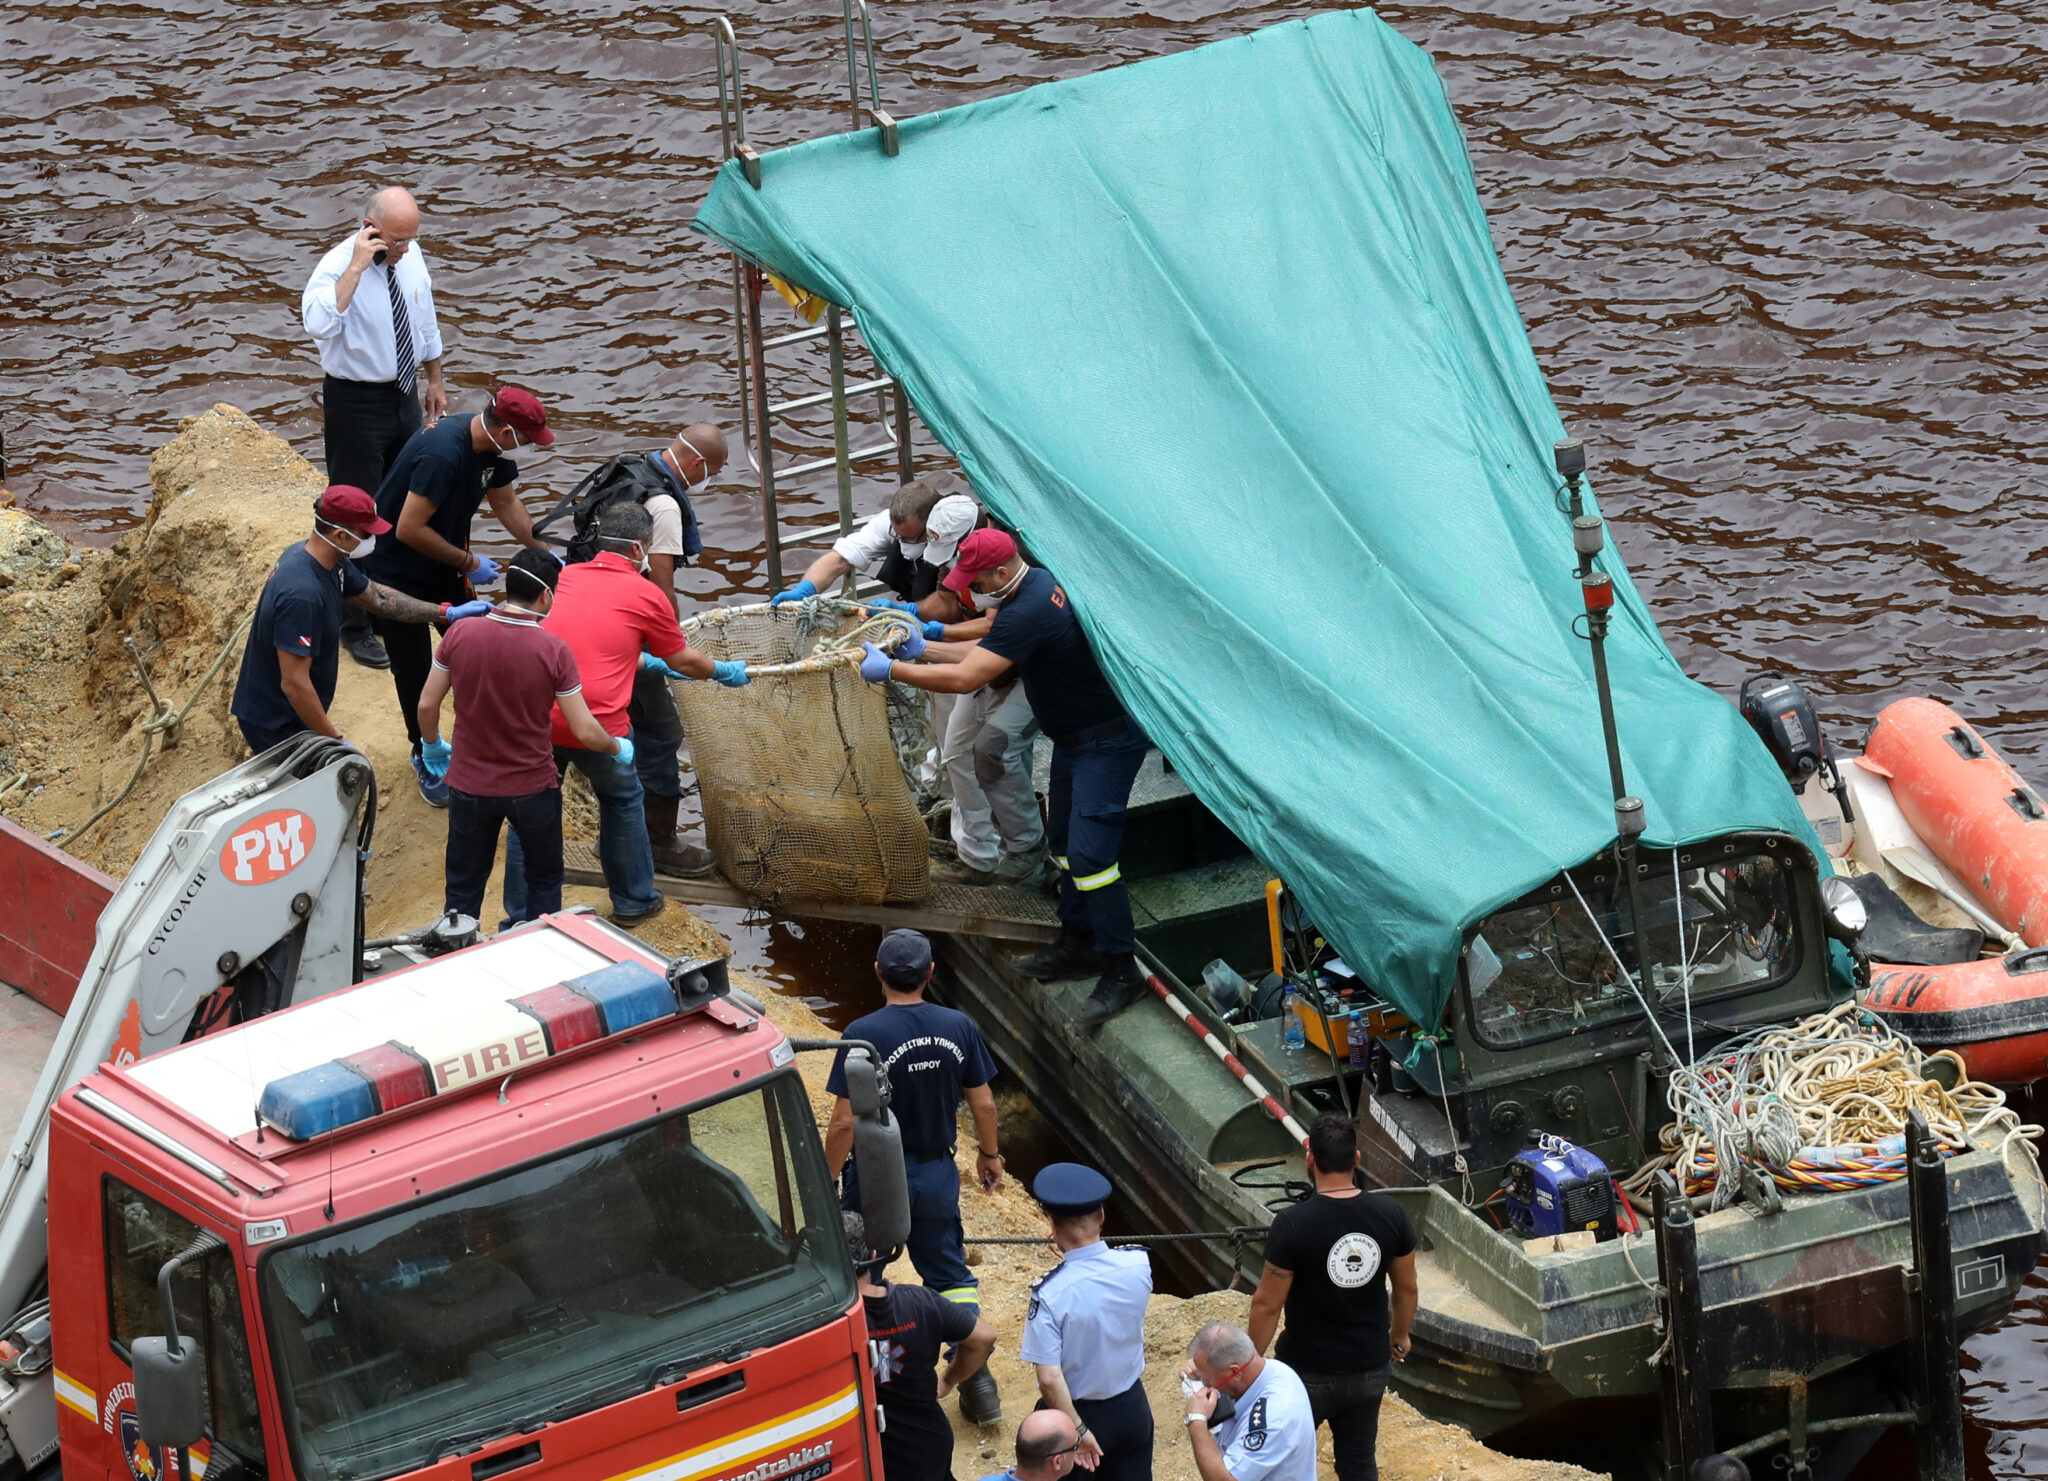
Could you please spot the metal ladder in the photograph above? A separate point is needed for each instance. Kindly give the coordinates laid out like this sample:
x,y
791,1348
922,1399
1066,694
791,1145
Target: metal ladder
x,y
761,416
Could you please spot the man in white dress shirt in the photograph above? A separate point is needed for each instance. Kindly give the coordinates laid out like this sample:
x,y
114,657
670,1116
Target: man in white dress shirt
x,y
370,308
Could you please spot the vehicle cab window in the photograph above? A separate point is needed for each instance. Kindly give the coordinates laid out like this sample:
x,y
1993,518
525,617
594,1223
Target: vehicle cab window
x,y
141,1235
1722,923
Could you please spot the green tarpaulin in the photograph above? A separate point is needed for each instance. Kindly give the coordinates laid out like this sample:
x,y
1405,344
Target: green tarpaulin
x,y
1223,335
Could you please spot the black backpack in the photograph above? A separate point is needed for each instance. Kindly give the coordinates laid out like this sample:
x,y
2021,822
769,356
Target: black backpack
x,y
627,476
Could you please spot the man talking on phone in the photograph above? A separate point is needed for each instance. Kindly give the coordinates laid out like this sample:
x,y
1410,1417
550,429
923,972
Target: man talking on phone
x,y
370,309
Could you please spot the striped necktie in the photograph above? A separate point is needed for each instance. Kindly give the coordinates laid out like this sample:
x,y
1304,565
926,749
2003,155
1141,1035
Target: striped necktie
x,y
401,327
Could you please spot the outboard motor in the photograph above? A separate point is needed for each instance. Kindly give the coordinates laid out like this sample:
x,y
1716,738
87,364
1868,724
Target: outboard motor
x,y
1557,1188
1780,711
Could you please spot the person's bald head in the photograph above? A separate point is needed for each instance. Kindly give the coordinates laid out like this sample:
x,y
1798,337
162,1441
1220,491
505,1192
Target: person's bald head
x,y
397,215
698,451
1045,1445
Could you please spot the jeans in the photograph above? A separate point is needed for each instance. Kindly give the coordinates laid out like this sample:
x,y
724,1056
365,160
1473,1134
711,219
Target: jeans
x,y
1086,793
366,423
1350,1404
622,847
536,821
657,735
938,1242
986,747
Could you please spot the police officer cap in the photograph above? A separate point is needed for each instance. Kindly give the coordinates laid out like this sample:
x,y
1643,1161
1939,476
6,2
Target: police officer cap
x,y
1068,1190
904,958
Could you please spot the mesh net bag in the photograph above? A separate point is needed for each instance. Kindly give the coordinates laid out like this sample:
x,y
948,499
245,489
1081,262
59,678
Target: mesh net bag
x,y
803,793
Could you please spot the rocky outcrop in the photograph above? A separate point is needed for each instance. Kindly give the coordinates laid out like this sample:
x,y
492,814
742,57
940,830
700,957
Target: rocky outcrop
x,y
31,554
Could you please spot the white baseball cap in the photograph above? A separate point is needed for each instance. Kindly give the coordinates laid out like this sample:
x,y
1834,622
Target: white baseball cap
x,y
952,519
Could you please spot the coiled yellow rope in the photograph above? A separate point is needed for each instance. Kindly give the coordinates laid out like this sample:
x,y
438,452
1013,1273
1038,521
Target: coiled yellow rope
x,y
1820,1106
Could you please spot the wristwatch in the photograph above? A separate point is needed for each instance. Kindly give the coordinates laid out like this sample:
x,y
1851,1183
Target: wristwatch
x,y
1201,1419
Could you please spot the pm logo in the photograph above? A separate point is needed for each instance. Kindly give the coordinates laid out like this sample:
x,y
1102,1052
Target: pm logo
x,y
267,847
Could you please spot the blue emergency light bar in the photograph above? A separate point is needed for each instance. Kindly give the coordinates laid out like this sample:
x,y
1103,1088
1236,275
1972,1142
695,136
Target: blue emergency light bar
x,y
479,1044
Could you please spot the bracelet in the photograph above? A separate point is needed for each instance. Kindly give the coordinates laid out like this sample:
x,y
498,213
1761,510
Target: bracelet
x,y
997,1155
1080,1431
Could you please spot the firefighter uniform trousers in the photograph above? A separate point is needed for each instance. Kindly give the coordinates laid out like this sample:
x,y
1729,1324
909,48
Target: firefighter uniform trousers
x,y
1087,791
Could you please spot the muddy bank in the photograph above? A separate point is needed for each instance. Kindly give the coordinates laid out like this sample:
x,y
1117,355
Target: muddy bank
x,y
227,497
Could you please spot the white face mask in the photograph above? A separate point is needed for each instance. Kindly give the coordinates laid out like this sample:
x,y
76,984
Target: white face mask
x,y
988,601
364,544
1190,1386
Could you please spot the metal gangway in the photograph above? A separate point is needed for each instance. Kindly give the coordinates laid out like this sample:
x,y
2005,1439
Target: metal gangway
x,y
882,435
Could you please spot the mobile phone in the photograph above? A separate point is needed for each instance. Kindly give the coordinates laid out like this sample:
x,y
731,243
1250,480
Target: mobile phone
x,y
381,253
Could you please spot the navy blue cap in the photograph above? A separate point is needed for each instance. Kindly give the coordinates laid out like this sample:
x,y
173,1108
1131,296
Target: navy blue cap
x,y
1068,1189
905,957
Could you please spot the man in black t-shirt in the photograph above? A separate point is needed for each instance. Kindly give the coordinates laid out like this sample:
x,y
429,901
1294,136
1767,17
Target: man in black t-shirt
x,y
432,492
1329,1261
907,1325
287,680
934,1058
1096,750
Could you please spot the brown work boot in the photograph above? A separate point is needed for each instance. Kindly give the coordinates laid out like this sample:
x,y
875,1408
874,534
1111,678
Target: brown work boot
x,y
958,871
672,855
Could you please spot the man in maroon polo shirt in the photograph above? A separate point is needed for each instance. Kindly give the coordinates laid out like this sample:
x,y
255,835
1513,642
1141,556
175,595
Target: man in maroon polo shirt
x,y
508,675
614,620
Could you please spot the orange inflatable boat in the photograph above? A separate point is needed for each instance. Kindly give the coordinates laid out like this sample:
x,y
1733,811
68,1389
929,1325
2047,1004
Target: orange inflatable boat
x,y
1990,828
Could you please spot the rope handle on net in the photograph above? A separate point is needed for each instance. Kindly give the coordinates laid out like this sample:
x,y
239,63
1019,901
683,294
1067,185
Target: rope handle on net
x,y
883,628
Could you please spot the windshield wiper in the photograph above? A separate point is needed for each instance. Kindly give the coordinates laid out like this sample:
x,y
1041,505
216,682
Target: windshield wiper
x,y
682,1367
463,1441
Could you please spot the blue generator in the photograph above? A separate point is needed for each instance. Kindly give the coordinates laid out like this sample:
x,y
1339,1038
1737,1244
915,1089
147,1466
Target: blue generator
x,y
1557,1188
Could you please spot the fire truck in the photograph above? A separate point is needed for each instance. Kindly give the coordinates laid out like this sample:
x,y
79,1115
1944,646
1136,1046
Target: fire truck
x,y
286,1203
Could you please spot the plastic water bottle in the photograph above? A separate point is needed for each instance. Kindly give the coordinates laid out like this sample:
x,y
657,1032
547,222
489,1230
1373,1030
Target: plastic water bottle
x,y
1293,1035
1226,988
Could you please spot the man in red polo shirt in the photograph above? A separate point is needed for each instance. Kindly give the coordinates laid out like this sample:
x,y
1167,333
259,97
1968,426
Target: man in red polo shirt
x,y
510,679
613,619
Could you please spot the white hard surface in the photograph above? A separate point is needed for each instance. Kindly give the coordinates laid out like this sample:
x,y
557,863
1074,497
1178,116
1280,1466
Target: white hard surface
x,y
219,1079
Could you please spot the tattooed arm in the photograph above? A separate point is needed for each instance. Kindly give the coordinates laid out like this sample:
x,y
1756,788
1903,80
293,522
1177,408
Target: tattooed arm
x,y
396,606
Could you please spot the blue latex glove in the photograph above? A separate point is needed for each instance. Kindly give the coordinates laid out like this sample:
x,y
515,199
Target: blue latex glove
x,y
486,572
455,612
649,661
625,756
434,755
731,672
912,645
883,604
560,564
795,594
934,632
875,667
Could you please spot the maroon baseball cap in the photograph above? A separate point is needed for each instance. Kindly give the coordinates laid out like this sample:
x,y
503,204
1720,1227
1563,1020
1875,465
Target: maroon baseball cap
x,y
348,506
521,410
983,550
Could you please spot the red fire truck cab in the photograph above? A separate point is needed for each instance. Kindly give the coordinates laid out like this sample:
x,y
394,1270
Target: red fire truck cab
x,y
544,1205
